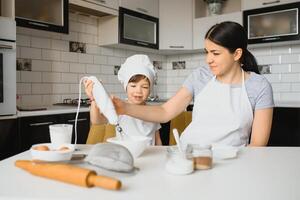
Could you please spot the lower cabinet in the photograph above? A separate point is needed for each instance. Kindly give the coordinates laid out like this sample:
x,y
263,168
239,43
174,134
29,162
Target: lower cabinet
x,y
9,138
285,127
33,130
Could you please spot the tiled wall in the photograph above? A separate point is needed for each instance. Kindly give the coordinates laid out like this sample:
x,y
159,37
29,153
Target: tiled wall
x,y
55,72
284,74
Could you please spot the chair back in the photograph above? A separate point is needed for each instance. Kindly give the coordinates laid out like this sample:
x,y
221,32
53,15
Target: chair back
x,y
180,122
100,133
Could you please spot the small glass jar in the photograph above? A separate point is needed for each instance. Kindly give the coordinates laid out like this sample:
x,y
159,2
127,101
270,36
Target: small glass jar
x,y
178,163
202,156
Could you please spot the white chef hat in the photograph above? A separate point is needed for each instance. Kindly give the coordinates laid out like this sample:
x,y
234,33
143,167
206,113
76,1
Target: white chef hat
x,y
134,65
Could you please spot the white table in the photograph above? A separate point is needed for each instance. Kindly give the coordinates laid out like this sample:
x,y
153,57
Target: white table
x,y
258,173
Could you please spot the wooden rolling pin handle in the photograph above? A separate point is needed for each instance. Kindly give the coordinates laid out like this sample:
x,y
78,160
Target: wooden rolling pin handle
x,y
103,182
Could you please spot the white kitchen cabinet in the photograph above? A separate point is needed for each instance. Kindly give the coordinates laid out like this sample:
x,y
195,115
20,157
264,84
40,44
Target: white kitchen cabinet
x,y
148,7
252,4
95,7
176,24
201,26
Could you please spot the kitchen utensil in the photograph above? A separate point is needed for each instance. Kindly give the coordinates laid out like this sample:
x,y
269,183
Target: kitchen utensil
x,y
69,174
176,136
110,156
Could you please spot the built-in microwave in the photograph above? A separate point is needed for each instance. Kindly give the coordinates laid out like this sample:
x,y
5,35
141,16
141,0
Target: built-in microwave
x,y
273,24
138,29
49,15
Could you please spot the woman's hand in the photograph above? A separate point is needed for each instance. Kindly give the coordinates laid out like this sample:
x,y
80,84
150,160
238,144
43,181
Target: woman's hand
x,y
88,86
119,105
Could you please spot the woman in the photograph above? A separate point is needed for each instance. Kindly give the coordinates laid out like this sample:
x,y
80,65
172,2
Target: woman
x,y
231,100
137,76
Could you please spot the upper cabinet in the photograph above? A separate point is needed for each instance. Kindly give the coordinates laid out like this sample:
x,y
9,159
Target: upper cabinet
x,y
176,24
148,7
7,8
95,7
202,21
251,4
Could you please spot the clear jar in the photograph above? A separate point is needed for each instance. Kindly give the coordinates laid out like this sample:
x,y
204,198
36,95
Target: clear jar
x,y
202,156
177,163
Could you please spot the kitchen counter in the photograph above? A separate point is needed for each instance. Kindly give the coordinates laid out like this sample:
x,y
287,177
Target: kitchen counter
x,y
52,110
263,173
291,104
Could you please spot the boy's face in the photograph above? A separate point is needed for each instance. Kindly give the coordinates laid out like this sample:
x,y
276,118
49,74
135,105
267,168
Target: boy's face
x,y
138,92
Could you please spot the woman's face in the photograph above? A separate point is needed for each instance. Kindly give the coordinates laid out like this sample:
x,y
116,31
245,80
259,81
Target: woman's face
x,y
219,59
138,92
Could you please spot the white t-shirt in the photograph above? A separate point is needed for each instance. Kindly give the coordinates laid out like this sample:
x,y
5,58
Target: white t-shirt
x,y
133,126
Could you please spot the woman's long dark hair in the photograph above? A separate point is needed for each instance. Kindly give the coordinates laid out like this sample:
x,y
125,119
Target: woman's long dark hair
x,y
232,36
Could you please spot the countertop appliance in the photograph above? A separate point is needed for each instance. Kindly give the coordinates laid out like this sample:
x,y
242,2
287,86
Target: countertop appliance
x,y
273,24
138,29
49,15
7,66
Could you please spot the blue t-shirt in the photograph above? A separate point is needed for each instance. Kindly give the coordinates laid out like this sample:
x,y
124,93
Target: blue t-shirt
x,y
258,88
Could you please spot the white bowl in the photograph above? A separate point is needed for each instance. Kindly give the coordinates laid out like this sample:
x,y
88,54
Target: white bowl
x,y
224,151
53,154
135,144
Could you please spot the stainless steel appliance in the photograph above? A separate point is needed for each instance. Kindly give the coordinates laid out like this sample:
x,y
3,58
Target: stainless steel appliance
x,y
138,29
7,66
50,15
74,102
273,24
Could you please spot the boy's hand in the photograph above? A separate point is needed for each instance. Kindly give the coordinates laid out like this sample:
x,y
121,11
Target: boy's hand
x,y
88,86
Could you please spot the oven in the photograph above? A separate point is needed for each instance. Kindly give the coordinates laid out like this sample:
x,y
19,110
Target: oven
x,y
7,66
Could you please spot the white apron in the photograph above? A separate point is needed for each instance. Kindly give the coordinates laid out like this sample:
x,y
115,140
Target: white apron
x,y
221,114
133,126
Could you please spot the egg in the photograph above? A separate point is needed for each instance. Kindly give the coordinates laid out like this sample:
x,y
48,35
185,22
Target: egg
x,y
63,149
41,148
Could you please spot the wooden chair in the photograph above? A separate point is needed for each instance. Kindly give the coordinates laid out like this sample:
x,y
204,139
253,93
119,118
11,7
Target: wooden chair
x,y
100,133
180,122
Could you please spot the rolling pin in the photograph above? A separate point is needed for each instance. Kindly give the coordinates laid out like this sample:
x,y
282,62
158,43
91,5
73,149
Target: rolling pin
x,y
69,174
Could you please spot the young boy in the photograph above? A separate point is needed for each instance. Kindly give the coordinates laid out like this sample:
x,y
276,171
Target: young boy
x,y
137,76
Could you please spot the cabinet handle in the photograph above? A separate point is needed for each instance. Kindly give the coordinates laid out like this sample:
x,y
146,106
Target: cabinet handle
x,y
3,46
41,124
143,43
38,24
179,47
271,2
142,10
102,1
79,120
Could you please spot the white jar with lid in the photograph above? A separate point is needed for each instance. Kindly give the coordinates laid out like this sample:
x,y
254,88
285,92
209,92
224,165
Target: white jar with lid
x,y
177,163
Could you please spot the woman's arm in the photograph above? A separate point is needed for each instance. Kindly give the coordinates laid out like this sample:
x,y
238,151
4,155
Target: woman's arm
x,y
157,139
161,113
261,127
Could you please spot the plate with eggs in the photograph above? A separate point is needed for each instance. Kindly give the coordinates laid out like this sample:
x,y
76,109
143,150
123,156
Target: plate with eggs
x,y
50,152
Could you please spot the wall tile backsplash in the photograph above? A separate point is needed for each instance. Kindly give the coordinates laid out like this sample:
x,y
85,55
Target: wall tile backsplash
x,y
56,66
58,61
